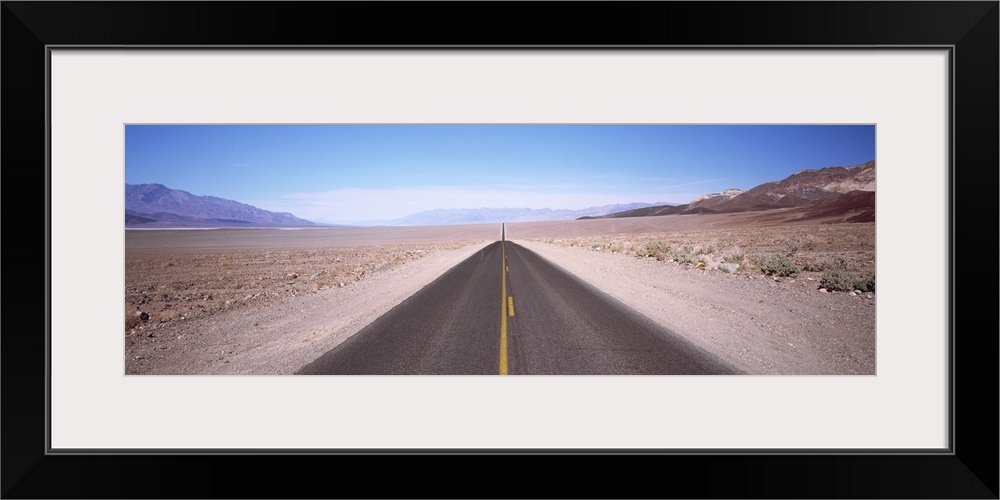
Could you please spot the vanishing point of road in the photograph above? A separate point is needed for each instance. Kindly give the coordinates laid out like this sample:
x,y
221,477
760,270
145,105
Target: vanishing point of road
x,y
506,310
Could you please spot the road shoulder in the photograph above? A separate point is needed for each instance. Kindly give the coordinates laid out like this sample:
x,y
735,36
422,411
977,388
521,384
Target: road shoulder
x,y
753,323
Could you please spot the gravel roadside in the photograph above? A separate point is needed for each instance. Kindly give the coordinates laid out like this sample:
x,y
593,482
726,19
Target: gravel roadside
x,y
263,324
759,325
283,335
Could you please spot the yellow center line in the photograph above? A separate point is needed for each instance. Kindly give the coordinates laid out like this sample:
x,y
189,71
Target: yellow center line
x,y
510,305
503,309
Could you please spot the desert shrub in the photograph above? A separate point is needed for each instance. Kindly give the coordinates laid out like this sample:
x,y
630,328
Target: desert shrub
x,y
810,242
663,251
131,320
866,284
837,262
792,244
684,257
779,265
813,266
653,249
798,242
837,279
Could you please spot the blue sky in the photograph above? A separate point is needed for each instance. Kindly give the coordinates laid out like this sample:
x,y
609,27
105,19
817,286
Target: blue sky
x,y
356,173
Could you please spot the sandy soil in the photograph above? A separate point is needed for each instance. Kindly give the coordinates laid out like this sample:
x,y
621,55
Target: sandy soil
x,y
270,301
760,324
265,301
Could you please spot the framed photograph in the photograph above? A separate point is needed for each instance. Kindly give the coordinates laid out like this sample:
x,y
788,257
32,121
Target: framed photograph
x,y
138,92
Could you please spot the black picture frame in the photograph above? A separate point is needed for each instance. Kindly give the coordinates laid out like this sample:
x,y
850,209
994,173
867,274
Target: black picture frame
x,y
970,29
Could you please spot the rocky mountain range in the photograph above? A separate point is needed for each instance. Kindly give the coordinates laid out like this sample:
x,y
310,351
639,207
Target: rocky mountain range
x,y
818,193
157,206
833,191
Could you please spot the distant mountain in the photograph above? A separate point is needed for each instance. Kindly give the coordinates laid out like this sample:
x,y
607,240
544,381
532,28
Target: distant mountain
x,y
714,199
802,188
859,204
834,179
155,205
830,191
496,215
642,212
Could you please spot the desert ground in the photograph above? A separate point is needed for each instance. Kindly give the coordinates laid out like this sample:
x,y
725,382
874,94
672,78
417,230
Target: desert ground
x,y
768,294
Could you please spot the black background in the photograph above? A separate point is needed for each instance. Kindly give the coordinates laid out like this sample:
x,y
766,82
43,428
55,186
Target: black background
x,y
971,472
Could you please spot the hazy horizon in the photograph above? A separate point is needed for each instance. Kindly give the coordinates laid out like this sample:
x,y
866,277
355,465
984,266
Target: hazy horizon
x,y
341,174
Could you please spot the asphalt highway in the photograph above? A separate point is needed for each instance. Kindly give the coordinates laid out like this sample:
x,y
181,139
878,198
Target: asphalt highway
x,y
506,310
